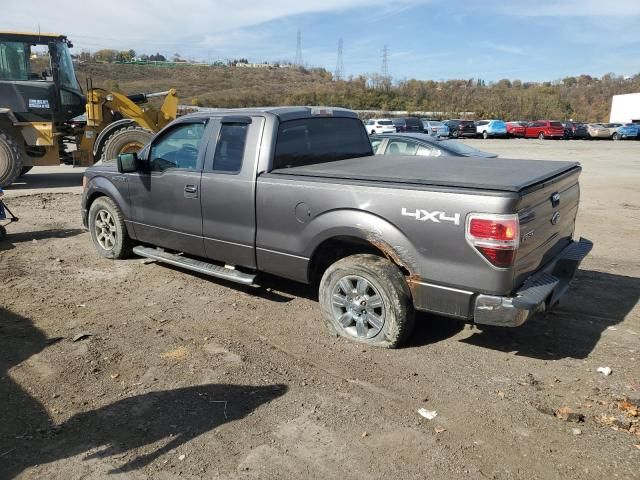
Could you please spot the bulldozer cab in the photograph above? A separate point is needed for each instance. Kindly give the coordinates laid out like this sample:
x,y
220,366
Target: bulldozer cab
x,y
37,79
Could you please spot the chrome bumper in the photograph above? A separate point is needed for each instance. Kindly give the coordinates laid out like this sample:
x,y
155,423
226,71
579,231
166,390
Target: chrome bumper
x,y
539,292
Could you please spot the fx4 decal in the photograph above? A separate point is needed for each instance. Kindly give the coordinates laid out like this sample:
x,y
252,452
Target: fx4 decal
x,y
437,217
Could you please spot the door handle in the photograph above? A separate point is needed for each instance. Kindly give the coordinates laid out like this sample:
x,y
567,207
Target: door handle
x,y
190,189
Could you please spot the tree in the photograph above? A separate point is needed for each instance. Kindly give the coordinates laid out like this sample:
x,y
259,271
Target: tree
x,y
105,55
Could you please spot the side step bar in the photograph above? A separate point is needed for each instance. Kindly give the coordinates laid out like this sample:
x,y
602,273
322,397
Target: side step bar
x,y
195,265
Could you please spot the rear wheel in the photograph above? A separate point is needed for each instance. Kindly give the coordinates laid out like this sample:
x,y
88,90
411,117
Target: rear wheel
x,y
11,159
615,136
107,228
485,135
3,232
365,298
125,140
455,134
541,135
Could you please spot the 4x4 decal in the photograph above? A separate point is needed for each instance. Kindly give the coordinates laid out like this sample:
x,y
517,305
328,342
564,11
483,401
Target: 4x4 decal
x,y
436,216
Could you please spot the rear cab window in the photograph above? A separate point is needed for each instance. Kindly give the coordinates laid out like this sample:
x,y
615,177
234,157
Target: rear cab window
x,y
309,141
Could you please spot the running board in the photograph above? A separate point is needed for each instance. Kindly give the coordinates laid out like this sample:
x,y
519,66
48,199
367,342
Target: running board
x,y
195,265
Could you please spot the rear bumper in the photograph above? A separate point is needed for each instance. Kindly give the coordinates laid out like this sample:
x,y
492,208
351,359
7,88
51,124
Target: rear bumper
x,y
539,292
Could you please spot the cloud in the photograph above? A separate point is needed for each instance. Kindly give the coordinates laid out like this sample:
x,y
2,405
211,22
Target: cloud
x,y
504,48
149,24
570,8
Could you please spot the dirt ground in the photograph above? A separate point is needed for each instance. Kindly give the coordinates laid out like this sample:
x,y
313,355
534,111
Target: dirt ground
x,y
178,375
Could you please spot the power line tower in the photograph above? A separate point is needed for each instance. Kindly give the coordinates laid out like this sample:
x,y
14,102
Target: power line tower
x,y
339,75
298,60
385,63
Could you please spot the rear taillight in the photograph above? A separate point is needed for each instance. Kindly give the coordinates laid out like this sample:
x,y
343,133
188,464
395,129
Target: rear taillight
x,y
495,237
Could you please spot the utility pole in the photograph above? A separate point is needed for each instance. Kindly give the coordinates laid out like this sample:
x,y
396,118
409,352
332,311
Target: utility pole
x,y
298,60
385,79
385,63
339,75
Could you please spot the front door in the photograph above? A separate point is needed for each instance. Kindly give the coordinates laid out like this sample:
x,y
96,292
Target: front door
x,y
165,199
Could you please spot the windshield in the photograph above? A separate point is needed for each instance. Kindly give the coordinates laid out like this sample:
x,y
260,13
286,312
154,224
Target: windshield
x,y
14,61
66,74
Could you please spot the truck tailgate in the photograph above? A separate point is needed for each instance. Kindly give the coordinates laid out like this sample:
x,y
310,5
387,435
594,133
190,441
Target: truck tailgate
x,y
547,214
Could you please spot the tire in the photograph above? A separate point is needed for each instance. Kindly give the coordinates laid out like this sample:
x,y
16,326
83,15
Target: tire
x,y
125,140
455,134
25,170
11,159
3,232
485,135
107,229
379,279
541,136
615,136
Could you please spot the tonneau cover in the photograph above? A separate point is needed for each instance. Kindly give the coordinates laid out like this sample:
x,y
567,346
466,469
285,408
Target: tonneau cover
x,y
500,174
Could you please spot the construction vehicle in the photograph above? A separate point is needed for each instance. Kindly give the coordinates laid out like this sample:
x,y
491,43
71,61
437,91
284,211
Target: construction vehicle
x,y
47,119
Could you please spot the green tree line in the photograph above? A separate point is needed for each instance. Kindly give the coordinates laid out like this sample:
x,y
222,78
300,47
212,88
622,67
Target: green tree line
x,y
582,98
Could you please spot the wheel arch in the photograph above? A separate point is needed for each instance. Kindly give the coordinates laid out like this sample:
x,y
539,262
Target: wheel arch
x,y
101,187
358,234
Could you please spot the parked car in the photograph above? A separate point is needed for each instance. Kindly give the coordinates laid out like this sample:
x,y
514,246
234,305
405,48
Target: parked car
x,y
380,125
297,192
597,130
516,129
627,131
574,130
461,128
544,129
408,124
491,128
423,144
612,127
434,127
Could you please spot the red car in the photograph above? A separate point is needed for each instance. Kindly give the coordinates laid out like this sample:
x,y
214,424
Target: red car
x,y
516,129
544,129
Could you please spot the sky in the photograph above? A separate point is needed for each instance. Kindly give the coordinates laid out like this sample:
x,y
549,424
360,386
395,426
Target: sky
x,y
428,40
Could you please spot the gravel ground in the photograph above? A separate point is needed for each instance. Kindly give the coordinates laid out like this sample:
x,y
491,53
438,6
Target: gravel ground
x,y
178,375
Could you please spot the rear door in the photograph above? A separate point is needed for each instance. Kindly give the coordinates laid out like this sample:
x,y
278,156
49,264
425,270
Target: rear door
x,y
165,199
228,190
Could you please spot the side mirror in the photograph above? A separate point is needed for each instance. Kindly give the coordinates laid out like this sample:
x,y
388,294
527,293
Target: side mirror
x,y
127,162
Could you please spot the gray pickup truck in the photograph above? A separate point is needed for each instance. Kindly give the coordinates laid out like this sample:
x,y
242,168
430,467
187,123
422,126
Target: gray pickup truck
x,y
297,192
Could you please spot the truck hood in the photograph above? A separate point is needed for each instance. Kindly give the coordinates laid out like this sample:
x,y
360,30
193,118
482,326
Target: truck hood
x,y
501,174
104,166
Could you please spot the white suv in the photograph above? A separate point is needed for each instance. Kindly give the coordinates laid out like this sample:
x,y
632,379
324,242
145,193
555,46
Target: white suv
x,y
379,125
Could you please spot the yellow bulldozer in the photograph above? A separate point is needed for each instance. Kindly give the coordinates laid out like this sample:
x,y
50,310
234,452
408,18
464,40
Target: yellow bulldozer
x,y
47,119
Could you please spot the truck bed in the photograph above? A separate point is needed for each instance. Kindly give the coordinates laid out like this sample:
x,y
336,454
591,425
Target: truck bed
x,y
499,174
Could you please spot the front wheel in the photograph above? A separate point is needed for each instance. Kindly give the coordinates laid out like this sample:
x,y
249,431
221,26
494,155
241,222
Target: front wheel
x,y
485,135
365,298
455,134
541,135
616,136
107,228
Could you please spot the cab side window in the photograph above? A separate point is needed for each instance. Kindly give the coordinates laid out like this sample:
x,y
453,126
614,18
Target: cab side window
x,y
178,148
230,147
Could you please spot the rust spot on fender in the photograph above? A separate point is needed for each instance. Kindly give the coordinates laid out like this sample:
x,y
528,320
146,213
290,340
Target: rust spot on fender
x,y
405,261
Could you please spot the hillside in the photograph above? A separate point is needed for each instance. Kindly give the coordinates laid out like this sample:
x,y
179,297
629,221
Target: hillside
x,y
582,98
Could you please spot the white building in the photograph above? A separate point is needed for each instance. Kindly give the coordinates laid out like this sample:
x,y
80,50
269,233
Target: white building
x,y
625,108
